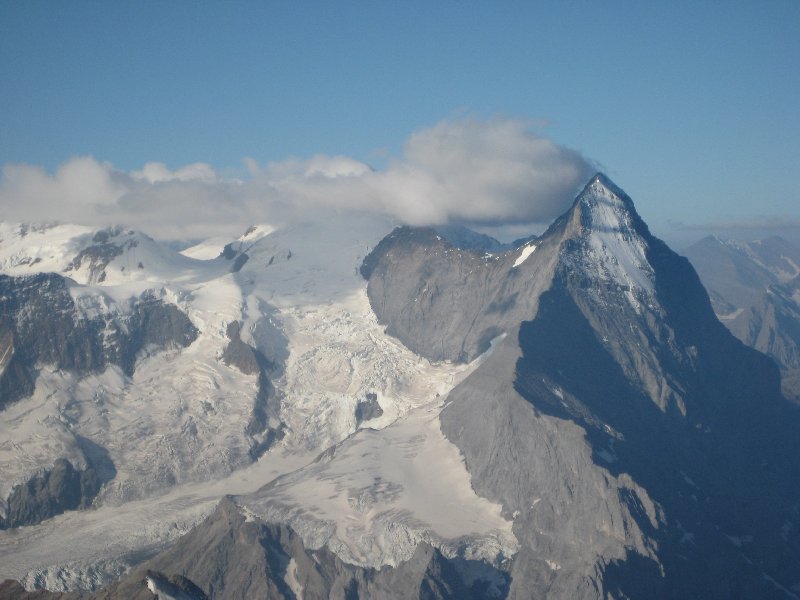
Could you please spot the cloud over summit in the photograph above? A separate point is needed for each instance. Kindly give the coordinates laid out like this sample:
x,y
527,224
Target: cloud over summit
x,y
495,172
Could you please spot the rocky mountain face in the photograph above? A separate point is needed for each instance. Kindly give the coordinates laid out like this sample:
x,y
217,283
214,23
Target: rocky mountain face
x,y
56,490
464,238
42,324
755,291
628,433
446,303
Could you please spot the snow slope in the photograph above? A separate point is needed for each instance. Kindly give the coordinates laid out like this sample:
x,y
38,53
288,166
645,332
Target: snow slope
x,y
616,250
176,431
382,491
524,254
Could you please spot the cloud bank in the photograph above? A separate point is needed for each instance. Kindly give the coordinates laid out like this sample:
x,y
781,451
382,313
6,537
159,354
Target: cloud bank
x,y
491,173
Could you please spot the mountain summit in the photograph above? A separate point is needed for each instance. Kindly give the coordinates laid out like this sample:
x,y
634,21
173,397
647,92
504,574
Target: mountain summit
x,y
610,239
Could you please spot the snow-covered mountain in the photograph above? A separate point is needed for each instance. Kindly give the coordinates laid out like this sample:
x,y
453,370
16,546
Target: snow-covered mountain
x,y
288,358
409,415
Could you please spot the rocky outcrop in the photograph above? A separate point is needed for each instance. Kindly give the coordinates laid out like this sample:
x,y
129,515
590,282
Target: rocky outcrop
x,y
368,408
445,303
238,257
103,249
60,488
41,324
176,586
231,556
265,424
53,492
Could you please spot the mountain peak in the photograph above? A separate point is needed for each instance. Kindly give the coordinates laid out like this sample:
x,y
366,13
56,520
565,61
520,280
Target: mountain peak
x,y
612,237
600,186
602,179
603,207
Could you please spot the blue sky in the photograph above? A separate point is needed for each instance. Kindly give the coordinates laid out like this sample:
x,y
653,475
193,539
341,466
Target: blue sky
x,y
691,107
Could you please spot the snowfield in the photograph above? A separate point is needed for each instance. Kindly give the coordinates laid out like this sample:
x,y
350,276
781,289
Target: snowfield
x,y
173,437
384,491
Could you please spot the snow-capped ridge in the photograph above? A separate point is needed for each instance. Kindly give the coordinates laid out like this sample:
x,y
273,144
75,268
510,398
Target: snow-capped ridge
x,y
108,257
256,232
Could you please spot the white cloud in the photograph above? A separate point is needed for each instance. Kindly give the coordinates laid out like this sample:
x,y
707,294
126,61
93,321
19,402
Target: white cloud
x,y
78,188
155,172
495,172
319,165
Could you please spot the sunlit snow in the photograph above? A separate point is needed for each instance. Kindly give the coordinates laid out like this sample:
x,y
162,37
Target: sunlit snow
x,y
176,430
618,251
524,254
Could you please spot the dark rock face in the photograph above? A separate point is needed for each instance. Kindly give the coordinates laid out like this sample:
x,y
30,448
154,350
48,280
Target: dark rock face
x,y
153,323
238,354
238,256
239,262
59,489
228,252
16,381
230,557
266,409
55,491
369,408
713,456
41,324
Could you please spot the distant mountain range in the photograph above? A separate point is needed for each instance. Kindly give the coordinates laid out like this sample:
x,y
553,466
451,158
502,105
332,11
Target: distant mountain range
x,y
351,408
755,291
